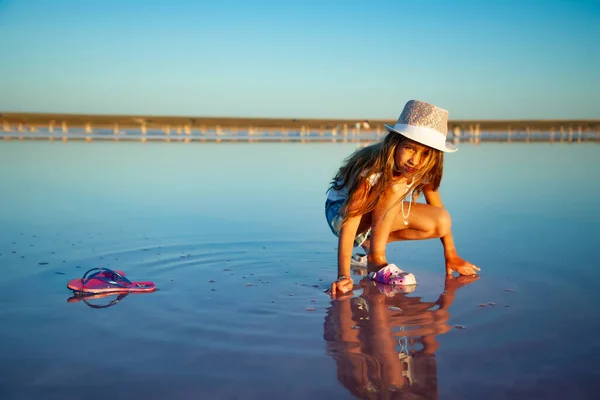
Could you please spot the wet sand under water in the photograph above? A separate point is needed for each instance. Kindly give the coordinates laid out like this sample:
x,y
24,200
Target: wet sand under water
x,y
241,311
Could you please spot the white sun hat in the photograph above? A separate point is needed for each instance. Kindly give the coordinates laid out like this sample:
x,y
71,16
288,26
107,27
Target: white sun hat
x,y
424,123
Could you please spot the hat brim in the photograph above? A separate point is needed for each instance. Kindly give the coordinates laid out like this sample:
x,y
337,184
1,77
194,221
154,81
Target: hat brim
x,y
416,134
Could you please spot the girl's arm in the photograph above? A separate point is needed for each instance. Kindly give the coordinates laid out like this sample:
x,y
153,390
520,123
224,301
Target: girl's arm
x,y
346,244
433,198
453,261
348,232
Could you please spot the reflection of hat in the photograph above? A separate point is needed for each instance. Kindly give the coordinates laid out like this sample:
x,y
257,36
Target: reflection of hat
x,y
424,123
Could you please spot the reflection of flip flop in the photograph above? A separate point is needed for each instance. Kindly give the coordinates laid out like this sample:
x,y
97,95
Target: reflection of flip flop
x,y
104,280
358,260
392,275
85,298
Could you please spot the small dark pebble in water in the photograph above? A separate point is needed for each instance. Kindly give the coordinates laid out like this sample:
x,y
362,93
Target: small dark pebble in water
x,y
52,253
14,252
507,305
226,269
264,248
42,263
457,326
22,256
59,273
243,277
311,309
313,300
509,290
78,266
291,294
249,284
172,280
482,305
212,281
251,274
213,290
315,286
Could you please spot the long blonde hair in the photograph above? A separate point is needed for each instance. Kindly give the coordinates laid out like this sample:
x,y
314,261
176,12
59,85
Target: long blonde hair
x,y
380,158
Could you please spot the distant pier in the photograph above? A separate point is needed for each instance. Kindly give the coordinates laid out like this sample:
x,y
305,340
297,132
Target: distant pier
x,y
27,126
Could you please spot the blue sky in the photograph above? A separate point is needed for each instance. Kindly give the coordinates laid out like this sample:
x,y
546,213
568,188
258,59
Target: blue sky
x,y
303,59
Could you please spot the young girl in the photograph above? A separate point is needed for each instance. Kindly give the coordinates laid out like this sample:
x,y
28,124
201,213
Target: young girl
x,y
371,199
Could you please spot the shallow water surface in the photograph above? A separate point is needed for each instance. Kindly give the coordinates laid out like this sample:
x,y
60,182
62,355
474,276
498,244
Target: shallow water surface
x,y
235,238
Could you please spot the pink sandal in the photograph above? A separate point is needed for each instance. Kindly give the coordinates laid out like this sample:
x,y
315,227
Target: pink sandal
x,y
104,280
392,275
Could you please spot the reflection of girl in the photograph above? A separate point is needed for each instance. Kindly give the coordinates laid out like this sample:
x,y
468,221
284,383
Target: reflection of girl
x,y
388,353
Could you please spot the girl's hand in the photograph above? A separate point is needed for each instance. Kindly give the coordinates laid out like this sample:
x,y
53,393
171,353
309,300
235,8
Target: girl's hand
x,y
455,263
343,285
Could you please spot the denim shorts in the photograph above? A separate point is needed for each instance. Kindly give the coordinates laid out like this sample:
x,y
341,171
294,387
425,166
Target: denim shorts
x,y
334,220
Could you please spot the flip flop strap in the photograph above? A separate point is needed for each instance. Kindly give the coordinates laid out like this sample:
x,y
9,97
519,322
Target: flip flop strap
x,y
99,270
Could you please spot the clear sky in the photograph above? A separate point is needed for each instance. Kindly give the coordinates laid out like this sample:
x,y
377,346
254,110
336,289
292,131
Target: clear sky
x,y
320,59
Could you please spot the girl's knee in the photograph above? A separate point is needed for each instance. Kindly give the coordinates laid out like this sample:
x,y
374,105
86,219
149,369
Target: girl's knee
x,y
443,223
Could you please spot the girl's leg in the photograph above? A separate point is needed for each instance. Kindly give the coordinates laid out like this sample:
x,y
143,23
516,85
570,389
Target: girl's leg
x,y
424,222
383,221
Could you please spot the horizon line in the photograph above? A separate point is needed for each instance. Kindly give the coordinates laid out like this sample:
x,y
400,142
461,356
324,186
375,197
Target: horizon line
x,y
212,117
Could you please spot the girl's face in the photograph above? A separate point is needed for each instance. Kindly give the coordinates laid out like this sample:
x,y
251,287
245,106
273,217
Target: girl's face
x,y
410,157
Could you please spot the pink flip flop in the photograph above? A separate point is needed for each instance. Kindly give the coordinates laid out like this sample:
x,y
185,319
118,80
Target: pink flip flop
x,y
392,275
105,280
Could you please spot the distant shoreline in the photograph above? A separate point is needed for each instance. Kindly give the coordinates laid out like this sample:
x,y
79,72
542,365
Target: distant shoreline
x,y
34,120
